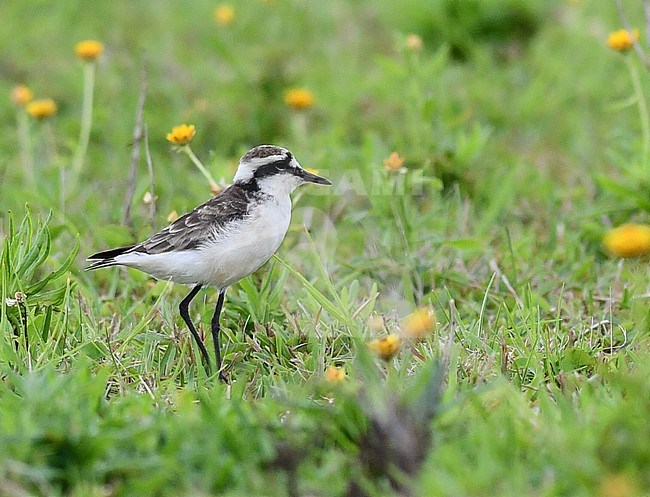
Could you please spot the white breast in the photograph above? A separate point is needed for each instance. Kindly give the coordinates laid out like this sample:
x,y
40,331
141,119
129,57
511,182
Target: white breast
x,y
240,250
247,246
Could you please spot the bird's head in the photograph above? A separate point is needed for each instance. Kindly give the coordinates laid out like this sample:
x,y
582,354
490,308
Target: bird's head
x,y
273,170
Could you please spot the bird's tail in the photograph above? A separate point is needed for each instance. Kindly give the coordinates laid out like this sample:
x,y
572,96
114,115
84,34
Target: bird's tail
x,y
107,257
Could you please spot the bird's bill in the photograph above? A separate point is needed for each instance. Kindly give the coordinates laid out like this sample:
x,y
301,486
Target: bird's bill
x,y
314,178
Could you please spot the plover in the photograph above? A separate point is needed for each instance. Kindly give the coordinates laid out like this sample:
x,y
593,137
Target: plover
x,y
224,239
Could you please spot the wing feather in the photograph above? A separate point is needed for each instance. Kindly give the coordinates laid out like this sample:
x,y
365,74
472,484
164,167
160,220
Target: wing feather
x,y
195,228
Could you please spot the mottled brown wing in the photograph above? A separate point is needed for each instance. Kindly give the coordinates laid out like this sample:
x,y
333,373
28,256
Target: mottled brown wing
x,y
197,226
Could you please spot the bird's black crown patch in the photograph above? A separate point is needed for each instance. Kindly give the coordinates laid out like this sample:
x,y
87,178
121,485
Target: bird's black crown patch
x,y
263,151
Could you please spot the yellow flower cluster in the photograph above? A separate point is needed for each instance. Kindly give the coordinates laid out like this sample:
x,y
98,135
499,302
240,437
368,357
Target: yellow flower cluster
x,y
394,162
21,95
415,326
89,50
224,15
622,40
419,324
42,109
299,98
628,240
385,347
335,374
181,135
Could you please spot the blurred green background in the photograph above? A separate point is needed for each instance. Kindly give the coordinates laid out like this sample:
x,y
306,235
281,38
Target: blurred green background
x,y
522,139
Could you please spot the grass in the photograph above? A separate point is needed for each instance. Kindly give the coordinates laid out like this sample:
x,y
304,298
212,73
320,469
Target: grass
x,y
522,138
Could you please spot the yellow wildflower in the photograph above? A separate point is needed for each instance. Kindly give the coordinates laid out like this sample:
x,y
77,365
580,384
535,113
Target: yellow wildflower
x,y
312,170
89,50
617,485
224,14
394,162
385,347
335,374
420,323
299,98
622,40
628,240
42,109
414,43
173,216
181,135
21,95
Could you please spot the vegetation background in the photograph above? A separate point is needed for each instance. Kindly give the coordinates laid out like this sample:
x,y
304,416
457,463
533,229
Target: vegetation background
x,y
524,139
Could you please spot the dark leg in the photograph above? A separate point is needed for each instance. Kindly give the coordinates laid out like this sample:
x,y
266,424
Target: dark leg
x,y
183,308
215,328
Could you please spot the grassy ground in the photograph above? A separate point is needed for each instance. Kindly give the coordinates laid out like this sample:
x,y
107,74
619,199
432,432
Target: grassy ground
x,y
523,141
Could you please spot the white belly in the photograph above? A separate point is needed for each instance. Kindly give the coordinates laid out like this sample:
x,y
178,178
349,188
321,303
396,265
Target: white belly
x,y
233,255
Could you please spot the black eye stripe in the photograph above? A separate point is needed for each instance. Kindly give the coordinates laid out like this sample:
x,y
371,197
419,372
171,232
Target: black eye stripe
x,y
283,165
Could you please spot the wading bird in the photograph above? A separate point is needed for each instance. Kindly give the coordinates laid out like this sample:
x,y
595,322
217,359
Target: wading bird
x,y
224,239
